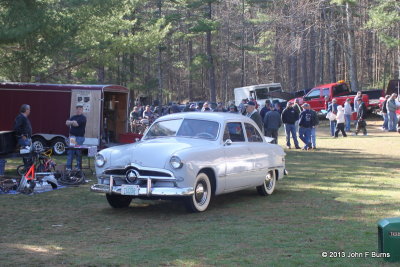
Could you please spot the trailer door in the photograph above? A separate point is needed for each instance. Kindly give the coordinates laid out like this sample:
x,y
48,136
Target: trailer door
x,y
91,101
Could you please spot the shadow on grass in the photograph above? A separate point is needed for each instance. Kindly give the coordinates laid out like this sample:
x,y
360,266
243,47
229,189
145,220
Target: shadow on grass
x,y
331,201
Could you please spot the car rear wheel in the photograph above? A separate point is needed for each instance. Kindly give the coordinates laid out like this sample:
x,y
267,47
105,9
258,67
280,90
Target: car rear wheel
x,y
268,187
118,201
201,198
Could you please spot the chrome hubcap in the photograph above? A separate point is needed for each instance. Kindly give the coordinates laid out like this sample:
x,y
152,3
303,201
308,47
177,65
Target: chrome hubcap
x,y
201,193
38,146
269,182
59,148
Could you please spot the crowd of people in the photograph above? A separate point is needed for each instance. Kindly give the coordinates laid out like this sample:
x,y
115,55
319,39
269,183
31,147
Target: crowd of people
x,y
299,121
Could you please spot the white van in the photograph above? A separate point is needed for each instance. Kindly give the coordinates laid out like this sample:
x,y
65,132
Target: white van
x,y
258,92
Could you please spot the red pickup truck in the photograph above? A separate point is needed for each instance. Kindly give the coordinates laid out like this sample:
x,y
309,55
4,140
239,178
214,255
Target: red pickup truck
x,y
339,90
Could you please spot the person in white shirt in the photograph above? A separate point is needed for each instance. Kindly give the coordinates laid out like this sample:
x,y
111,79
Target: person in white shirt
x,y
340,122
348,111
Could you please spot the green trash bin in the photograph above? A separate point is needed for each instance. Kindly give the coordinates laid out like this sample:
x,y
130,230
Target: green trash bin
x,y
389,238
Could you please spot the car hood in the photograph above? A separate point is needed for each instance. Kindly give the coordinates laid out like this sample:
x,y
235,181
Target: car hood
x,y
151,153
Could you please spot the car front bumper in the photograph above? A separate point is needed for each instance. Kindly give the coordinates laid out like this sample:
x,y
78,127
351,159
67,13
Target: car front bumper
x,y
143,191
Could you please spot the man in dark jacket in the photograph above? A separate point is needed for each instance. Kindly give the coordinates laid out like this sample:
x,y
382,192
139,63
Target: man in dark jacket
x,y
306,123
23,131
289,118
265,109
77,126
361,113
253,114
272,123
22,126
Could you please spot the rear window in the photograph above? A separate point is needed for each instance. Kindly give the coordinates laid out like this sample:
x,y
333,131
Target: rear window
x,y
252,133
340,89
234,131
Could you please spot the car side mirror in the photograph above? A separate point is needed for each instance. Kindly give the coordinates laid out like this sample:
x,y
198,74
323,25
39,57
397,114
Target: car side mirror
x,y
228,142
306,98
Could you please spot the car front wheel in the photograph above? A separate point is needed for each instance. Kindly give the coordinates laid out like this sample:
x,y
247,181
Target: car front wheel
x,y
118,201
201,198
268,187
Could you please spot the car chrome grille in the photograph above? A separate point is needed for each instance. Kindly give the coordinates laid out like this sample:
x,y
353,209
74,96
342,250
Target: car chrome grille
x,y
143,173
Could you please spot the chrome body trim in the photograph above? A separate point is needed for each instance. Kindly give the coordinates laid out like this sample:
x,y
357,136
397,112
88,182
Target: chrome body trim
x,y
148,187
155,191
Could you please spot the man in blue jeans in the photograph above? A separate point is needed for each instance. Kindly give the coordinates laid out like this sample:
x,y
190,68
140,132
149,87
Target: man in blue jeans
x,y
77,125
289,118
306,124
391,110
332,107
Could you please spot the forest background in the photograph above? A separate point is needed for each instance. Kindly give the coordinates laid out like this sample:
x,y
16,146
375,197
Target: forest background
x,y
180,50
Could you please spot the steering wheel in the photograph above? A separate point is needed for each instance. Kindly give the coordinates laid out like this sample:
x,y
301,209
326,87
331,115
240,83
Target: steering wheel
x,y
205,135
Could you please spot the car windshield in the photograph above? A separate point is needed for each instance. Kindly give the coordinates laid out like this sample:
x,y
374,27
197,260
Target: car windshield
x,y
184,127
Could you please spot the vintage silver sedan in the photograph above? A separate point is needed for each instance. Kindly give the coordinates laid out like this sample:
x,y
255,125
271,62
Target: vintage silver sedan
x,y
193,156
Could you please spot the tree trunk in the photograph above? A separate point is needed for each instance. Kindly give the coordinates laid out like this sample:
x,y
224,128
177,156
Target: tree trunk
x,y
293,63
304,71
311,76
242,47
211,69
351,49
159,59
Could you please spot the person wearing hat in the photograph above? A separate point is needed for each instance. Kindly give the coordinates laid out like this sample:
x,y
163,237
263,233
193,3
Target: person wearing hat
x,y
266,108
77,125
289,119
233,109
272,123
253,114
306,123
220,107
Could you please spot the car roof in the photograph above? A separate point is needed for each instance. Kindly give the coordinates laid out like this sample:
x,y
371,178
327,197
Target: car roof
x,y
214,116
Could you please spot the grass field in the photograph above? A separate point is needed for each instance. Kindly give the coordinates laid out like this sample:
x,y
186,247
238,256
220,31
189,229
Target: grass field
x,y
331,201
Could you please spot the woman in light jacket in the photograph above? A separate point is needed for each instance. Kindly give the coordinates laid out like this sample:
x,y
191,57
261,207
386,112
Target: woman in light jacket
x,y
340,122
348,110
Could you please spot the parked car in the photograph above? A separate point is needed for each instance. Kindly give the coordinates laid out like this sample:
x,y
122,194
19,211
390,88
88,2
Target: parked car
x,y
339,90
193,156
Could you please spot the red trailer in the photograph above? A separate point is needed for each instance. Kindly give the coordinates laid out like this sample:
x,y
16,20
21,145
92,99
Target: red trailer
x,y
105,106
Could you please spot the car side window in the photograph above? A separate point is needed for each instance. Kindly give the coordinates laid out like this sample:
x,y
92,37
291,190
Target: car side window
x,y
234,131
325,92
252,133
314,94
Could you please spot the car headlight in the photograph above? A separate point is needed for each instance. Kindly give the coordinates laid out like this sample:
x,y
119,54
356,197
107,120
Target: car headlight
x,y
100,160
176,162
